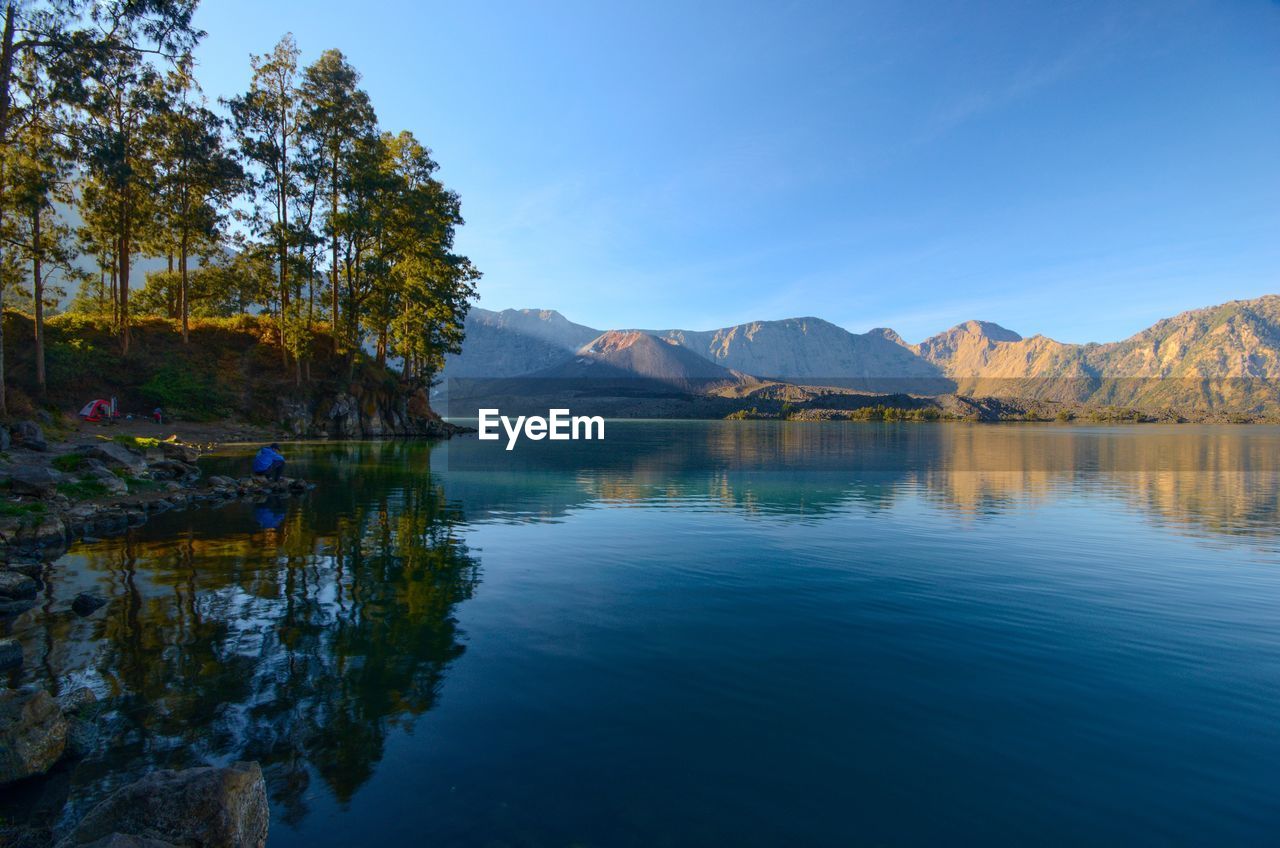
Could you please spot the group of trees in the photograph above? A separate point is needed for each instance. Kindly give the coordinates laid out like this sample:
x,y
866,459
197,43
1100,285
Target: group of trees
x,y
287,200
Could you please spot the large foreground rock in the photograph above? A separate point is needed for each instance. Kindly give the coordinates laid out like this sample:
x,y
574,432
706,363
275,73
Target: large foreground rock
x,y
117,456
10,655
45,531
35,480
201,807
28,434
33,733
15,585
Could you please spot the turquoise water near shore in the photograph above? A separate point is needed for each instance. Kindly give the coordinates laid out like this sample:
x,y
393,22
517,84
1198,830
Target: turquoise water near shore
x,y
706,633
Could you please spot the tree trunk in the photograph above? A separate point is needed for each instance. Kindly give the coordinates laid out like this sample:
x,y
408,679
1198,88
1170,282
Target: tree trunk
x,y
282,208
6,74
4,404
333,236
182,271
123,256
115,291
37,296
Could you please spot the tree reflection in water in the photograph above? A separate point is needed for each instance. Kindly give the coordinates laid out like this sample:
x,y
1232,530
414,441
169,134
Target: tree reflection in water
x,y
301,644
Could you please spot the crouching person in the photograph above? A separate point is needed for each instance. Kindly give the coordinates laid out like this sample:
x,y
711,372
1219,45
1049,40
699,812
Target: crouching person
x,y
269,462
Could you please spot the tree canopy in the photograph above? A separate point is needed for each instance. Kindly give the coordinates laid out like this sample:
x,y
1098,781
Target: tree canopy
x,y
286,200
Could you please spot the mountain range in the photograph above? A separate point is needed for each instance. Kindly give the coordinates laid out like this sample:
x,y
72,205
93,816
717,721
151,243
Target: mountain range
x,y
1224,357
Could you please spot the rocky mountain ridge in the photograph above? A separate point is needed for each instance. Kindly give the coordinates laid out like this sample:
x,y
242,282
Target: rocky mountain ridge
x,y
1224,357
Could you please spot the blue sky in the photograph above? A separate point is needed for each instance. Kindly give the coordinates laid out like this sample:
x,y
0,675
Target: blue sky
x,y
1075,169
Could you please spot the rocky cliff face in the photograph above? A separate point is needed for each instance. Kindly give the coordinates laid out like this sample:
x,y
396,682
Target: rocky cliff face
x,y
813,350
363,413
514,342
1221,357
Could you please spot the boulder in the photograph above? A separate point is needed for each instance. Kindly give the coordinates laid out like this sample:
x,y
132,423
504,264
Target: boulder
x,y
86,604
10,654
173,469
11,608
33,733
117,456
83,736
77,700
17,586
29,566
27,434
179,452
207,807
108,478
46,532
36,480
110,521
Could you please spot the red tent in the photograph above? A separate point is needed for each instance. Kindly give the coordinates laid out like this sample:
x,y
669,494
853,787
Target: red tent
x,y
96,410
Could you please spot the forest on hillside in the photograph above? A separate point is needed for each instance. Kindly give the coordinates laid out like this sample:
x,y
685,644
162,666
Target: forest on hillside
x,y
287,201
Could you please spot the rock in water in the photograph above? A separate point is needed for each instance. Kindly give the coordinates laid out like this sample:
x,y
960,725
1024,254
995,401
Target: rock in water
x,y
33,733
8,608
87,604
17,586
47,532
182,453
207,807
10,654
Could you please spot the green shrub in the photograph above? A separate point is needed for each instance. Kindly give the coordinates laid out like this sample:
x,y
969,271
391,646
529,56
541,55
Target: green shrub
x,y
182,391
82,490
11,509
68,462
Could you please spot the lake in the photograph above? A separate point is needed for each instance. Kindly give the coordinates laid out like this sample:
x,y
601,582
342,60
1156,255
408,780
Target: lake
x,y
708,633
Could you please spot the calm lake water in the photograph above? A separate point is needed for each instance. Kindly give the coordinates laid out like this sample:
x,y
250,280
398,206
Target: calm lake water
x,y
709,633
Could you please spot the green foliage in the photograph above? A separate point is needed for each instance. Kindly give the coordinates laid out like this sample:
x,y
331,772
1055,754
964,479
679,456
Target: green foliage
x,y
68,462
82,490
21,509
183,391
69,357
880,412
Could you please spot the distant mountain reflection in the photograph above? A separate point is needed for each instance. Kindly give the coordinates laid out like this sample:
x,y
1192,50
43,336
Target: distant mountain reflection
x,y
1215,480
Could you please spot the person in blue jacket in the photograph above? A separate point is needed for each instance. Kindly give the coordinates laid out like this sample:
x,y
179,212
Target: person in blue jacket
x,y
269,462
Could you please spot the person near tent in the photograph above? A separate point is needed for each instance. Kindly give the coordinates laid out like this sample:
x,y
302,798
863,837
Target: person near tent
x,y
157,415
269,462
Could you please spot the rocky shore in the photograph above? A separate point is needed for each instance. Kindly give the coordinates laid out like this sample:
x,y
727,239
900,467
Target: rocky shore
x,y
54,494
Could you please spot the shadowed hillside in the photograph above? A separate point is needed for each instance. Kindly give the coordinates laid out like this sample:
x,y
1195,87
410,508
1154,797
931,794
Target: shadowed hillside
x,y
233,367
